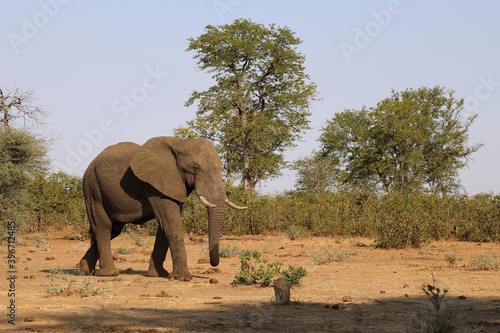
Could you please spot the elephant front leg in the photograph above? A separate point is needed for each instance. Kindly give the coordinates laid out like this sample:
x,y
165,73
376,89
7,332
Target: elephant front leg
x,y
158,255
168,215
179,257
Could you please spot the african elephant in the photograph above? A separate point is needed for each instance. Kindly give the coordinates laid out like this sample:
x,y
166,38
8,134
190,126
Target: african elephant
x,y
129,183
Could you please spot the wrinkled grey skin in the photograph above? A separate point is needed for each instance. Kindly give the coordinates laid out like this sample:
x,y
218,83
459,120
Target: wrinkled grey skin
x,y
129,183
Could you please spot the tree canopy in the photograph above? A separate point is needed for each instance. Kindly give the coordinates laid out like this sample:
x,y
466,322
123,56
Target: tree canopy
x,y
259,105
22,157
416,139
314,174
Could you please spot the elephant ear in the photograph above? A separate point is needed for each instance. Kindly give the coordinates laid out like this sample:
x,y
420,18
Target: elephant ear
x,y
155,163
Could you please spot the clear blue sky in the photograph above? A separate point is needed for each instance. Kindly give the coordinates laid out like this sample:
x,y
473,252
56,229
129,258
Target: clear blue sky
x,y
111,71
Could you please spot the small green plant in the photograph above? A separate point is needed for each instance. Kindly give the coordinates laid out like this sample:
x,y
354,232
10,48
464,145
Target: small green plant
x,y
61,284
293,232
255,270
451,259
250,253
122,250
294,275
485,262
441,318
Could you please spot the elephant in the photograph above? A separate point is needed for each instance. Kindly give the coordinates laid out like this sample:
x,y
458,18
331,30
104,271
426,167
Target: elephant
x,y
130,183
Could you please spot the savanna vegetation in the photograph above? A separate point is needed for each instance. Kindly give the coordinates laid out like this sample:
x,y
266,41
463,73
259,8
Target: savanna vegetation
x,y
389,172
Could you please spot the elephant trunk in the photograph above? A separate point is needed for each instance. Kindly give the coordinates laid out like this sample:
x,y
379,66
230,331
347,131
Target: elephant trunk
x,y
215,219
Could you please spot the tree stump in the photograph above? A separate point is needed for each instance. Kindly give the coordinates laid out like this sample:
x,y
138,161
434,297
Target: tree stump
x,y
282,291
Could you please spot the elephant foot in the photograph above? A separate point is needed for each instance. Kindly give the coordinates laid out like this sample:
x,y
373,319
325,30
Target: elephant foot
x,y
84,266
156,273
108,272
186,276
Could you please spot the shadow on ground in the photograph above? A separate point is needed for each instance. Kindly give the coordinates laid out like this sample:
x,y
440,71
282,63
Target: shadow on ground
x,y
388,315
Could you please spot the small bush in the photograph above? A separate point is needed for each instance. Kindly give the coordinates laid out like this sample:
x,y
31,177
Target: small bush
x,y
451,259
122,250
321,258
133,232
485,262
293,232
441,318
63,285
327,256
40,241
229,251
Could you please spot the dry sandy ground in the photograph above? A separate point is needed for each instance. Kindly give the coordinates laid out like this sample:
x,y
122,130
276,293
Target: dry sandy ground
x,y
375,291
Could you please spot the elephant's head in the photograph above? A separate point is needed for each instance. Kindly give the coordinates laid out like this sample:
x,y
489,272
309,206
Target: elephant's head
x,y
176,166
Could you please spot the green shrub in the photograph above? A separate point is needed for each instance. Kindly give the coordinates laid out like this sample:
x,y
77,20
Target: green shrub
x,y
293,232
451,259
294,275
400,222
58,202
394,220
255,270
478,217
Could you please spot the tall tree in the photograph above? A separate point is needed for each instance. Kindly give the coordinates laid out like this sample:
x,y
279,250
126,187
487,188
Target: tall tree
x,y
413,140
259,105
23,155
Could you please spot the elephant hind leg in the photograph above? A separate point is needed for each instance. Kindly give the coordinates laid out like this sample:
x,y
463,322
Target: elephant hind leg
x,y
103,231
89,260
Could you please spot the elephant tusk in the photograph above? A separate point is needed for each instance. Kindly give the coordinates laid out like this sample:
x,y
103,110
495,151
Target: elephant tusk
x,y
206,202
232,205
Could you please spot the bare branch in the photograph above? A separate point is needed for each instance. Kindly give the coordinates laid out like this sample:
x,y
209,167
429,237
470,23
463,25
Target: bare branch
x,y
16,104
261,98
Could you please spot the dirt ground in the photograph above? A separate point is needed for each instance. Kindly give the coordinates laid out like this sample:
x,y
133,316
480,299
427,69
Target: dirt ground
x,y
374,291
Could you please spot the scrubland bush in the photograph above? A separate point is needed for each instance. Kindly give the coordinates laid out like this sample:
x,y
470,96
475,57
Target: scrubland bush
x,y
393,220
57,203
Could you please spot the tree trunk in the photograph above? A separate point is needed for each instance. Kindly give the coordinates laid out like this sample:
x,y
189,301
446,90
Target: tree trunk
x,y
248,181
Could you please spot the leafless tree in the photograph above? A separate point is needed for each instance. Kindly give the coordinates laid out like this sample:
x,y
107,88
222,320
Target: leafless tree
x,y
16,104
